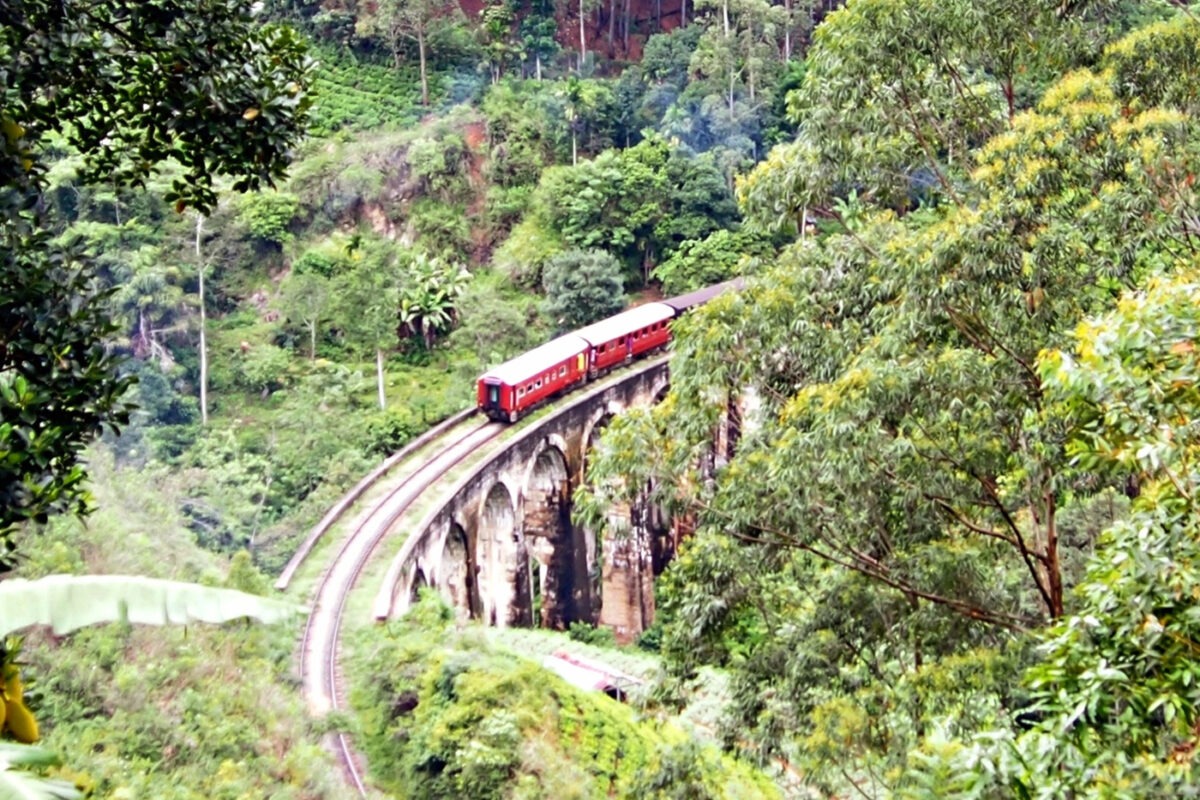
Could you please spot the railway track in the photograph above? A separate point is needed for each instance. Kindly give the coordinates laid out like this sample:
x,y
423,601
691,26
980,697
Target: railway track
x,y
320,677
378,502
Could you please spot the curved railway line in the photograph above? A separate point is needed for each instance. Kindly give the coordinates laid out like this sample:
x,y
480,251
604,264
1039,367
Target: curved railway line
x,y
393,488
357,524
320,676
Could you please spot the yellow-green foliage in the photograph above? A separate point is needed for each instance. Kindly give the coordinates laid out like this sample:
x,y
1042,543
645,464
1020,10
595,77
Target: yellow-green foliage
x,y
444,715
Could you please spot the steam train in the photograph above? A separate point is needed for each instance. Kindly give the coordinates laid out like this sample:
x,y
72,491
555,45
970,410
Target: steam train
x,y
511,389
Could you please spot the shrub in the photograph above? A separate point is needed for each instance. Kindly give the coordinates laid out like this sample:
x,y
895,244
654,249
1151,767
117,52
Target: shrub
x,y
316,261
268,215
442,229
592,634
390,430
526,251
582,286
264,368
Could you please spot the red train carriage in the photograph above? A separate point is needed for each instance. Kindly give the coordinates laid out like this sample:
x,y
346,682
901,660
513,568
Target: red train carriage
x,y
626,336
507,391
521,383
686,302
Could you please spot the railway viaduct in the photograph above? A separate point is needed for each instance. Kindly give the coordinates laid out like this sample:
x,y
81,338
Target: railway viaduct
x,y
501,545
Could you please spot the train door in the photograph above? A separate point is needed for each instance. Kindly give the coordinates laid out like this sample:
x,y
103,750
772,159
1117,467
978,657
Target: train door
x,y
491,399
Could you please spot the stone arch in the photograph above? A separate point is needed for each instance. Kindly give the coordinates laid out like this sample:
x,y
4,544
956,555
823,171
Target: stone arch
x,y
457,579
418,582
592,556
664,534
597,422
660,392
600,416
558,553
503,562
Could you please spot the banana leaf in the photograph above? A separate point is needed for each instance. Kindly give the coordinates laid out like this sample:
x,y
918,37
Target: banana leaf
x,y
19,785
69,602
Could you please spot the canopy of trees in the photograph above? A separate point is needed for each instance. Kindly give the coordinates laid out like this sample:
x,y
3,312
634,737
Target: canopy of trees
x,y
923,473
945,549
208,87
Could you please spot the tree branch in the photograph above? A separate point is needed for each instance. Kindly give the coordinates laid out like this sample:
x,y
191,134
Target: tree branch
x,y
879,573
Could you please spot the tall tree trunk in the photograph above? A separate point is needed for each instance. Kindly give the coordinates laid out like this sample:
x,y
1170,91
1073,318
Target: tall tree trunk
x,y
787,32
393,35
203,329
683,13
574,149
1053,566
733,61
379,377
424,77
312,339
537,61
612,21
143,335
625,26
582,40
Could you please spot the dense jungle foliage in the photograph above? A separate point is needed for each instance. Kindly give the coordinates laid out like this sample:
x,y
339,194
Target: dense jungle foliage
x,y
478,721
949,551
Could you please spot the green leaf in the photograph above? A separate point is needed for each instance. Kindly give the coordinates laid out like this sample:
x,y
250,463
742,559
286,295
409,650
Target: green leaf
x,y
23,786
70,602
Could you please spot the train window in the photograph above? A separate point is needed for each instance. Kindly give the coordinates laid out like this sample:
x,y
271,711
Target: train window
x,y
562,370
520,391
538,385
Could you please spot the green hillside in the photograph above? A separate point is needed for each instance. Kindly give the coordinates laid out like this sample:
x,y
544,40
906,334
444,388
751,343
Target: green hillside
x,y
947,550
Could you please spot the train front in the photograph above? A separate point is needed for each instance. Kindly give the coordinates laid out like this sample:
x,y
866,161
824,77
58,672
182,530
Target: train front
x,y
490,398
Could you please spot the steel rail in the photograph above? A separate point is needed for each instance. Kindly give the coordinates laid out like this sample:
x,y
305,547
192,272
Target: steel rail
x,y
320,653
